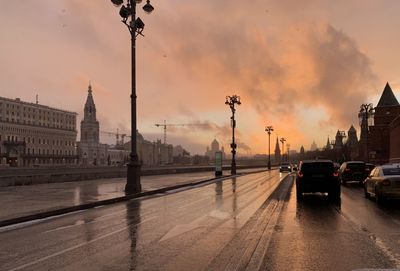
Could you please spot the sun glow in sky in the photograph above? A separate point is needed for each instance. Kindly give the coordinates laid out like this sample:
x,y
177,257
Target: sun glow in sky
x,y
302,66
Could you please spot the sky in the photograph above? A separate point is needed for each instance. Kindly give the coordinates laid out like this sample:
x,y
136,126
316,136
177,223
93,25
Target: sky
x,y
302,66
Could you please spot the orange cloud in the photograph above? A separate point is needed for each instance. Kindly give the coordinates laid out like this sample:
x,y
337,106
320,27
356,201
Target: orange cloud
x,y
192,56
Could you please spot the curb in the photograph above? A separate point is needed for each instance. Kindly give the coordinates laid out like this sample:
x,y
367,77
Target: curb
x,y
66,210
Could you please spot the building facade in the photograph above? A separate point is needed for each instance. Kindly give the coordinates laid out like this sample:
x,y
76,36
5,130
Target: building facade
x,y
352,143
379,139
152,153
395,141
313,146
32,134
91,152
340,135
117,157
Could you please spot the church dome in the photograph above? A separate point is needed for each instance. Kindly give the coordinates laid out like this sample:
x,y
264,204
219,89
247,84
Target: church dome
x,y
215,145
139,136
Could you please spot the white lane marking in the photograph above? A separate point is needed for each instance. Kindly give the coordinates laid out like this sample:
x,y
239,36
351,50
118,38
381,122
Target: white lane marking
x,y
83,222
76,246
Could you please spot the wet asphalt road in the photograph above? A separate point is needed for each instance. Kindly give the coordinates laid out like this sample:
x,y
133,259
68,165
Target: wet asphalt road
x,y
241,223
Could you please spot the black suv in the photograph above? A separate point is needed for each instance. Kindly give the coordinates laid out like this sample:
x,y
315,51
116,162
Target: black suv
x,y
317,176
353,171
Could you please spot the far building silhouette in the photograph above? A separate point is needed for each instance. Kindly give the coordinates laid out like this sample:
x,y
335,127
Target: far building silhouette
x,y
313,146
384,133
277,151
90,150
215,148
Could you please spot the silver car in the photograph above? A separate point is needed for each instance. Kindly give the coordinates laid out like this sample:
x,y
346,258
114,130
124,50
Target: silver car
x,y
285,166
383,182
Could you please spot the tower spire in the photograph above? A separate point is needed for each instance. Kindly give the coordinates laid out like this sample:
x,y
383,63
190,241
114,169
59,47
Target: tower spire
x,y
89,124
328,144
277,149
388,98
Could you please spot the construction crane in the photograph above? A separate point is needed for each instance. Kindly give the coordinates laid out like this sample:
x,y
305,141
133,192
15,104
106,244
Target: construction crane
x,y
165,125
118,142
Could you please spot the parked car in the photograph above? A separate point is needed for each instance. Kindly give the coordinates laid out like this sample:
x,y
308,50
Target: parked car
x,y
352,171
383,182
336,166
317,176
285,166
368,168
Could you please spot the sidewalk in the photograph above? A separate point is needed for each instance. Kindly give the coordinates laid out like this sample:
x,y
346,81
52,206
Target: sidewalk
x,y
19,201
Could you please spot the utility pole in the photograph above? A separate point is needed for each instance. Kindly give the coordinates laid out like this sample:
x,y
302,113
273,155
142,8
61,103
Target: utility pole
x,y
282,140
269,130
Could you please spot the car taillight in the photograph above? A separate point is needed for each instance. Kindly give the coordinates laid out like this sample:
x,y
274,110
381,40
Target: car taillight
x,y
300,174
335,174
386,182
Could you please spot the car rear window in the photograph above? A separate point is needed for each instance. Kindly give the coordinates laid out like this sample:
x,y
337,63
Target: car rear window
x,y
370,167
391,171
356,166
317,167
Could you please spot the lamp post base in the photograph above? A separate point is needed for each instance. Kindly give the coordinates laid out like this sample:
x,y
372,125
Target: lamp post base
x,y
233,168
269,165
133,184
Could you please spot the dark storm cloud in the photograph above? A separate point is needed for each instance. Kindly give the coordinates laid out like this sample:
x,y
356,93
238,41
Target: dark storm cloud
x,y
344,74
338,74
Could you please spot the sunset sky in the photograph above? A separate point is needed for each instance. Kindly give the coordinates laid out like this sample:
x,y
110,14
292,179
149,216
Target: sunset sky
x,y
302,66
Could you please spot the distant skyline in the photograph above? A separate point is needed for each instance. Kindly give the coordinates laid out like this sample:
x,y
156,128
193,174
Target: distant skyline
x,y
302,66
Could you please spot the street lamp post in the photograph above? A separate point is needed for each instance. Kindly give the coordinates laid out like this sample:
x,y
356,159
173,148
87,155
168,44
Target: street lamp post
x,y
135,27
231,101
366,110
269,130
282,140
